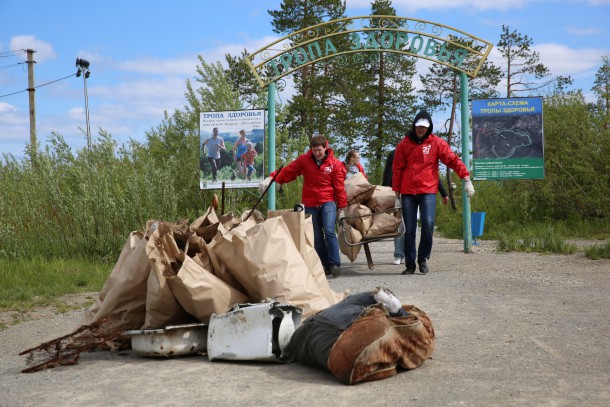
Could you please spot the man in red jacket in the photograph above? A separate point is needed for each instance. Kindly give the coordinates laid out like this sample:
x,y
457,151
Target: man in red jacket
x,y
415,183
323,192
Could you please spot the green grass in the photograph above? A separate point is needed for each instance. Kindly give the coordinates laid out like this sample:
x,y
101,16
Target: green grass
x,y
542,236
28,283
597,252
544,240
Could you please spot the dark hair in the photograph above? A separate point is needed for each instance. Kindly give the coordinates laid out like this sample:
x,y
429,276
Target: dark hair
x,y
349,155
318,140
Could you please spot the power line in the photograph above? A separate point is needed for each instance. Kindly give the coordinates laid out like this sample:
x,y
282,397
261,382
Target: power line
x,y
39,86
10,66
11,53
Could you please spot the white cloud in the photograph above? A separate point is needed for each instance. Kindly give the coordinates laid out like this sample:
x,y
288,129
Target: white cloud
x,y
176,66
563,60
583,31
10,116
44,50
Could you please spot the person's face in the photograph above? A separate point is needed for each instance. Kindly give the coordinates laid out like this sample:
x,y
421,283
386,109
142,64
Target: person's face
x,y
420,131
318,152
215,132
242,134
354,160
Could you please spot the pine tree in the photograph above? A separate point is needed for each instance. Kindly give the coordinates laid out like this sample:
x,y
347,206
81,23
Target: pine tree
x,y
601,87
383,97
307,113
523,70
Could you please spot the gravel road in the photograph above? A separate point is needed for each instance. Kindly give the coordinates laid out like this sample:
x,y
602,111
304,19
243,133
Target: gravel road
x,y
512,329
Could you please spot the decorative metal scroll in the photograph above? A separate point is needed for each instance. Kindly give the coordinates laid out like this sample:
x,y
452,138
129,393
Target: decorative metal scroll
x,y
348,38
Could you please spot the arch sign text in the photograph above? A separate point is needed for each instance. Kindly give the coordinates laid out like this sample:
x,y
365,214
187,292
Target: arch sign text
x,y
347,39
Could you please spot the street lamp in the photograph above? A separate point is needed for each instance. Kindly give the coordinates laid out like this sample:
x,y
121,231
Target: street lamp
x,y
83,68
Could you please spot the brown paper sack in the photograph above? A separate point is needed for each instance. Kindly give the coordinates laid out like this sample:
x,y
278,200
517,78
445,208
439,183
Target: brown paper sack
x,y
267,264
219,268
384,224
165,257
125,288
349,234
300,227
208,218
358,189
382,199
359,216
201,293
208,225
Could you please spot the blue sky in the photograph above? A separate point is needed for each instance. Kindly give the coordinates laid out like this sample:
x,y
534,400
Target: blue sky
x,y
142,52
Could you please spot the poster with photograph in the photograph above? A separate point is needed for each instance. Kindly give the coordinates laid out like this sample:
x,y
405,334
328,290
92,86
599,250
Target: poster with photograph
x,y
231,149
507,139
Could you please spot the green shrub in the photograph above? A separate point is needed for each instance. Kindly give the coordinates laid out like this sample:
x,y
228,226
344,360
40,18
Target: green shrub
x,y
597,252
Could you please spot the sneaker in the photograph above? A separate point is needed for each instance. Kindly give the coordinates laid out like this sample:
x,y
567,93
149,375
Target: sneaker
x,y
387,298
397,260
423,267
335,271
409,270
233,176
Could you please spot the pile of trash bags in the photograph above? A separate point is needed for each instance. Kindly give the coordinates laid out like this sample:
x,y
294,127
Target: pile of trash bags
x,y
178,273
369,214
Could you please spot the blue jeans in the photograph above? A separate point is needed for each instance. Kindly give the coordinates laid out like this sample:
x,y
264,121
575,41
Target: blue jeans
x,y
427,213
399,242
324,235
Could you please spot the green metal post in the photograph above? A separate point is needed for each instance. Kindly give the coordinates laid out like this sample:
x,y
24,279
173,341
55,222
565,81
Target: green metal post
x,y
271,141
465,109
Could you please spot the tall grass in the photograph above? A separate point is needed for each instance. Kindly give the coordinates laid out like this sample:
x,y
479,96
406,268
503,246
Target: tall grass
x,y
63,206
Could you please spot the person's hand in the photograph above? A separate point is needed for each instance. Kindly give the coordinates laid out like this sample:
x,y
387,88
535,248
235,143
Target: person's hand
x,y
445,200
397,203
264,184
341,215
469,188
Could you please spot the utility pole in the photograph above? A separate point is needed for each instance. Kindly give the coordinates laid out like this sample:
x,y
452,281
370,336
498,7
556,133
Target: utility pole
x,y
31,90
83,69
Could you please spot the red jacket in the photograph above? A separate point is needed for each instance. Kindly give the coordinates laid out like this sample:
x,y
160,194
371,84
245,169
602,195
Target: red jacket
x,y
415,167
320,184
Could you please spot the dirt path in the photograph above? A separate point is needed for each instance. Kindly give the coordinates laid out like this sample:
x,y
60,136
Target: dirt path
x,y
512,329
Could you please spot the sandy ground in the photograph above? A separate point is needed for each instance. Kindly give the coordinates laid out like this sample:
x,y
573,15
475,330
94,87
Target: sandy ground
x,y
512,329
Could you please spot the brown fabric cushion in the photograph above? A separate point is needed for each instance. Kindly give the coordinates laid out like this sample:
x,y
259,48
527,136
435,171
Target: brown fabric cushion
x,y
375,345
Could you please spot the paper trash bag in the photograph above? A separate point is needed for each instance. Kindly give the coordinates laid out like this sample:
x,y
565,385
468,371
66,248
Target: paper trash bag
x,y
267,264
125,289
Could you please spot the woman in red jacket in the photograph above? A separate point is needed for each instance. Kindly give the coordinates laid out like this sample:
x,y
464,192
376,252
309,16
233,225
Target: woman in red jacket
x,y
323,192
415,183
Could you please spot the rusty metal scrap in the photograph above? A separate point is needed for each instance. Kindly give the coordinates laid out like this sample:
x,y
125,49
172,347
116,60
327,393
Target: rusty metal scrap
x,y
66,350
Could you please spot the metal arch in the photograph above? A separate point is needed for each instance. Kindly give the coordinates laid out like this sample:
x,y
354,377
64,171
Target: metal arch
x,y
477,48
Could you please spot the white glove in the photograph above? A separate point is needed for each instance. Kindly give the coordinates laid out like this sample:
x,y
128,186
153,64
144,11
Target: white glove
x,y
397,203
264,184
469,188
341,215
